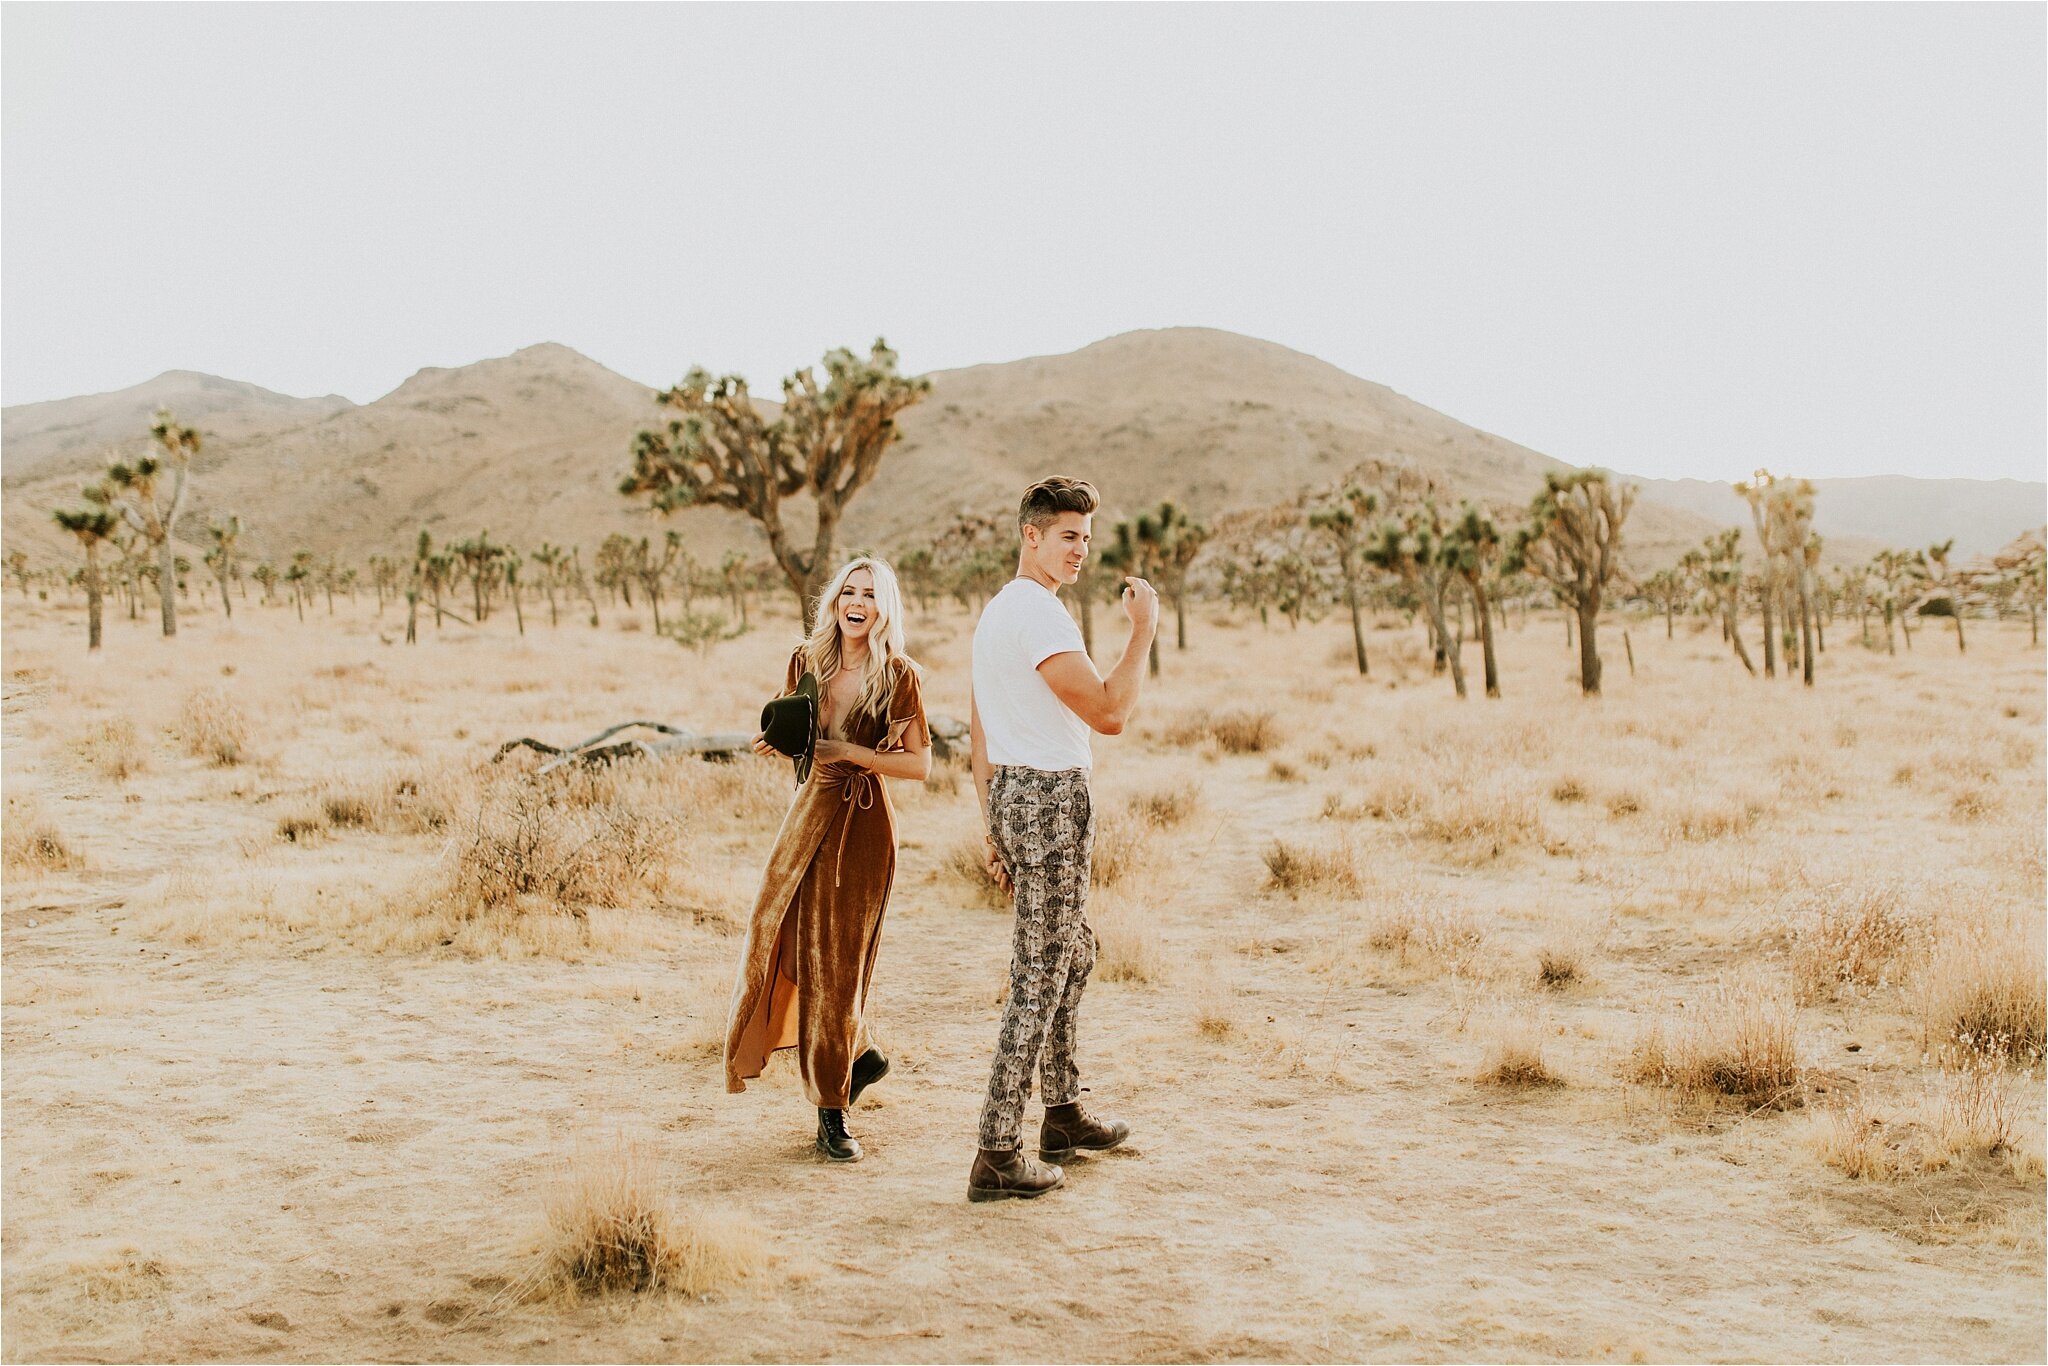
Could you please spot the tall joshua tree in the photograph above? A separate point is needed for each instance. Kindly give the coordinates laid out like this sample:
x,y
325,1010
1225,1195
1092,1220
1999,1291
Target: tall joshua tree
x,y
1571,541
1471,549
221,555
1179,540
551,560
1345,524
1134,549
92,523
1411,546
1946,581
826,442
139,496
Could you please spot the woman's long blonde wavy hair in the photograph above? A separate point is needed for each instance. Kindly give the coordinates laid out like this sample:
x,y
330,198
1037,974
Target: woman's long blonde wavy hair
x,y
885,639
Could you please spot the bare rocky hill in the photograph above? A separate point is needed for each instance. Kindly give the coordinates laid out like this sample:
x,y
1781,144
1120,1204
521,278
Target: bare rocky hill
x,y
531,447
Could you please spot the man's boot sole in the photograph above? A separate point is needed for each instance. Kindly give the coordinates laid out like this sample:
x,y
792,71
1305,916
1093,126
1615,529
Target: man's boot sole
x,y
977,1194
1059,1156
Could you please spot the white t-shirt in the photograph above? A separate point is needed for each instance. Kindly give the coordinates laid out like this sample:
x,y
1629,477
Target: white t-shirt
x,y
1023,722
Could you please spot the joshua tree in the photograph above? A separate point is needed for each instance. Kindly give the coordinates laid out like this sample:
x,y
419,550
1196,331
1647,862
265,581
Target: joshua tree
x,y
1900,572
299,571
1571,541
92,523
1344,523
1134,549
551,560
2024,572
1178,540
918,568
1471,550
652,572
1669,589
615,566
221,556
1945,581
825,442
483,560
510,566
733,573
1411,546
1719,568
138,495
975,558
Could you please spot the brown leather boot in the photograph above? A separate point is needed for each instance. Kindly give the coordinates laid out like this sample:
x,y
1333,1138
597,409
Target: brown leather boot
x,y
1007,1174
1070,1129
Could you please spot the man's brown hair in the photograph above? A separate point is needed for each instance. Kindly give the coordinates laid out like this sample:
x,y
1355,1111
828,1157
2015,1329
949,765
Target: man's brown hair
x,y
1045,500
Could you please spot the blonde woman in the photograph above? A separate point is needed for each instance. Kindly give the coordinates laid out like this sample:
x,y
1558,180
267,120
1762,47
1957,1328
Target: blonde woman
x,y
810,950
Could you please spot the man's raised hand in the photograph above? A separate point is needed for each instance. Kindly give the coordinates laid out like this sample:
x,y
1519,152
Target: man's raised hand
x,y
1141,603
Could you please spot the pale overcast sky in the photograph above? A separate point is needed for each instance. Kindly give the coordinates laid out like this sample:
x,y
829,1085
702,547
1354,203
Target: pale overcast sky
x,y
1670,239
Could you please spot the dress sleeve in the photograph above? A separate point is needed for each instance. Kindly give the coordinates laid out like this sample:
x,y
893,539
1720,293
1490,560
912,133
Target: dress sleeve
x,y
796,671
906,715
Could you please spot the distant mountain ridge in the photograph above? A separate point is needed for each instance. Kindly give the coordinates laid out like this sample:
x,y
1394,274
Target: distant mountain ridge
x,y
531,447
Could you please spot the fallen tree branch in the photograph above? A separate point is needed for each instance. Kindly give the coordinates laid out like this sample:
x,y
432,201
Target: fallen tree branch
x,y
948,734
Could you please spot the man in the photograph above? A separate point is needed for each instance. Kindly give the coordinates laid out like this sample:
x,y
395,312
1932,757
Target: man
x,y
1036,698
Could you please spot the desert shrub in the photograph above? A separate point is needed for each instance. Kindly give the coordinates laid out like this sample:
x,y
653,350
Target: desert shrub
x,y
1699,821
1623,804
1972,804
1983,983
1977,1111
1241,731
526,841
1561,962
1166,807
348,810
1857,1142
1395,794
748,791
1740,1042
213,728
1121,848
1128,947
1514,1055
610,1229
967,860
302,823
1216,1013
31,843
113,749
1568,790
1280,771
1487,821
1298,868
1854,934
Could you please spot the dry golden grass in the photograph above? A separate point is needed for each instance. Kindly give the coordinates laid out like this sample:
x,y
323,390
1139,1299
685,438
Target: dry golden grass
x,y
1738,1042
612,1229
1983,985
966,860
1128,944
113,749
1514,1053
1855,934
213,728
1235,730
1304,869
31,842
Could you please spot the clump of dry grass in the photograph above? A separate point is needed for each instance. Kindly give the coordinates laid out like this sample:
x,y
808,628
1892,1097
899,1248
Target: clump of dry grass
x,y
1514,1053
1859,1143
1849,934
1166,807
1977,1110
1486,821
213,728
1561,960
1567,790
113,749
1983,983
1623,804
1972,804
1425,941
1240,731
1300,868
1122,847
1128,946
31,843
967,860
610,1229
1739,1042
528,842
1702,820
302,823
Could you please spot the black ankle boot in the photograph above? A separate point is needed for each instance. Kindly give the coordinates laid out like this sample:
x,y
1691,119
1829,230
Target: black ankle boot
x,y
869,1068
833,1140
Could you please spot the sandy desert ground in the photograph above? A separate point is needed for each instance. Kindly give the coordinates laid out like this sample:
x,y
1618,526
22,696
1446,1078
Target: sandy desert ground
x,y
1531,1028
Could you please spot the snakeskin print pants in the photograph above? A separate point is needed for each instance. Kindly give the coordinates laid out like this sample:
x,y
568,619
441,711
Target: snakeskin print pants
x,y
1044,828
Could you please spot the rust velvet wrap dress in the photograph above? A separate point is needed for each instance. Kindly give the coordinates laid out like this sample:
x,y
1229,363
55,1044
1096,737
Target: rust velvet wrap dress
x,y
810,948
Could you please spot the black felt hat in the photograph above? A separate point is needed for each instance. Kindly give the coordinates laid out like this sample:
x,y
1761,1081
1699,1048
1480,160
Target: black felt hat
x,y
790,724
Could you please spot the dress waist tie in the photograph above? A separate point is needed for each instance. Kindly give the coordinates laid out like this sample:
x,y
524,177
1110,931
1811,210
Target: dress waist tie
x,y
858,788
